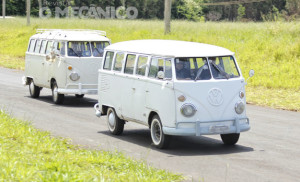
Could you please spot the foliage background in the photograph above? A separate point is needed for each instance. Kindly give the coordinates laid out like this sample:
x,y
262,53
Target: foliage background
x,y
268,10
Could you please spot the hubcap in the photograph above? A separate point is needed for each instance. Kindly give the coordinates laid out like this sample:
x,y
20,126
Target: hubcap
x,y
55,94
156,132
31,87
111,120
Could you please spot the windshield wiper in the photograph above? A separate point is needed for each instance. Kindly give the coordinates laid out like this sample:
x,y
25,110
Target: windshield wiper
x,y
75,52
223,73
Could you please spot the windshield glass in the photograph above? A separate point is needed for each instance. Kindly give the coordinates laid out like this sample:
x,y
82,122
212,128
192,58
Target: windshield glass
x,y
79,49
201,69
223,67
98,48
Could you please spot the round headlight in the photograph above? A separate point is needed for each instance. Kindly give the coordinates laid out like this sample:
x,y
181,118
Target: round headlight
x,y
188,110
239,107
74,76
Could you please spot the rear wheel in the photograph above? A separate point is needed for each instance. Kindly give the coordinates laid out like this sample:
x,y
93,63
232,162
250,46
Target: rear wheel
x,y
34,90
230,139
56,97
114,123
159,139
79,95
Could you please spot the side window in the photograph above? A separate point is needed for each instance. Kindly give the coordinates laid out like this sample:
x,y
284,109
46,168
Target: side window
x,y
141,65
49,47
156,65
43,47
118,62
37,46
62,46
108,60
129,63
168,69
31,45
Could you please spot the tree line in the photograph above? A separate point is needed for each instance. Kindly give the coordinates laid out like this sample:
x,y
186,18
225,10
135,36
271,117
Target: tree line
x,y
194,10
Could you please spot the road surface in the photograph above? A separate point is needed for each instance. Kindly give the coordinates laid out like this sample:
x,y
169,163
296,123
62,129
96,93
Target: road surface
x,y
270,151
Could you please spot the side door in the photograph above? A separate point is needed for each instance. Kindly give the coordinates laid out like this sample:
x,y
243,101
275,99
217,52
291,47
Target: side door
x,y
128,90
47,62
139,88
160,96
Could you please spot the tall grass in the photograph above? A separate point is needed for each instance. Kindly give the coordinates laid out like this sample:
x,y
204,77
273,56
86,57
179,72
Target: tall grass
x,y
27,154
271,49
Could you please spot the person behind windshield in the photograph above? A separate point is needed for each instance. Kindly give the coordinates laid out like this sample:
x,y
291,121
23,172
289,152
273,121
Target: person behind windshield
x,y
205,73
181,72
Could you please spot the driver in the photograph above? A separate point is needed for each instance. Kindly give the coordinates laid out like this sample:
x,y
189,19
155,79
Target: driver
x,y
181,72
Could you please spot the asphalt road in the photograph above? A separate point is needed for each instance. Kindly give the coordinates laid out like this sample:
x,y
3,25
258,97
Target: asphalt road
x,y
270,151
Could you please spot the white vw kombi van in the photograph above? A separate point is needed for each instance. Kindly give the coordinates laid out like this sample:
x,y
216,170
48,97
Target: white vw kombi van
x,y
174,87
66,61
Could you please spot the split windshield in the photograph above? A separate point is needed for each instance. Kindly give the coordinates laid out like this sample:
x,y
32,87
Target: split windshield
x,y
86,49
223,67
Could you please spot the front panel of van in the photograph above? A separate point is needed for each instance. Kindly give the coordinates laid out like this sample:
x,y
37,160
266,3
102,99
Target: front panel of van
x,y
215,102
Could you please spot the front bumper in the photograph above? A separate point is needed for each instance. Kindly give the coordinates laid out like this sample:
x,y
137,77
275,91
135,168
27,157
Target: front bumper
x,y
198,128
79,89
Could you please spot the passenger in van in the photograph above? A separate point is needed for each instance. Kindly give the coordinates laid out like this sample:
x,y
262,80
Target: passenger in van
x,y
181,72
205,73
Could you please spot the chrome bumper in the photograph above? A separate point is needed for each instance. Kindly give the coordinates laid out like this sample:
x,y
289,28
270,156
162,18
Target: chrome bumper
x,y
79,89
198,128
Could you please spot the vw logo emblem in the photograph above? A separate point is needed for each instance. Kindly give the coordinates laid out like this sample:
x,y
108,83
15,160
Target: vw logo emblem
x,y
215,97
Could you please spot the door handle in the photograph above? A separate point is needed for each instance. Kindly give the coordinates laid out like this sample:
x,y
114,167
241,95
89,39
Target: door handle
x,y
43,63
133,89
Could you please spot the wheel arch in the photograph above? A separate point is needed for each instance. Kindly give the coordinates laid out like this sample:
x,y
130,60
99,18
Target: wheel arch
x,y
151,114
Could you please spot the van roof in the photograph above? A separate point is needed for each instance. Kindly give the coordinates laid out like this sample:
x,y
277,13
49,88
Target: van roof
x,y
170,48
70,35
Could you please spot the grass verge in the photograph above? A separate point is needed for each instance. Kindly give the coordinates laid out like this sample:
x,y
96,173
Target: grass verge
x,y
272,49
27,154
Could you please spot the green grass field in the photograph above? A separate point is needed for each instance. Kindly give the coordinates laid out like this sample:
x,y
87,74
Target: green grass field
x,y
271,49
27,154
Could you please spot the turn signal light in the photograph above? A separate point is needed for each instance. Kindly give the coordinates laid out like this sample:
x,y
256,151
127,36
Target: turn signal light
x,y
70,68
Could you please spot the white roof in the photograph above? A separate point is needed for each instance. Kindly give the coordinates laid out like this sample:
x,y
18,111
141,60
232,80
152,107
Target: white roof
x,y
170,48
70,35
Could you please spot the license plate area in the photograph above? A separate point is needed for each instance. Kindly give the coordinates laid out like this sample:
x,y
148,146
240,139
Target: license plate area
x,y
219,128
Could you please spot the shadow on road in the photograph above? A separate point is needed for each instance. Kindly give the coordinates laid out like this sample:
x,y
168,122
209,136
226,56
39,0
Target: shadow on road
x,y
69,101
181,145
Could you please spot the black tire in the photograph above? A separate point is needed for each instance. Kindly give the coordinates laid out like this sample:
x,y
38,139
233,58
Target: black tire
x,y
159,139
114,123
230,139
34,90
56,97
79,96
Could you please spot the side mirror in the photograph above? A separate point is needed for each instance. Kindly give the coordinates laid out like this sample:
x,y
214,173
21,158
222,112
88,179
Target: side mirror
x,y
251,73
160,75
53,55
48,57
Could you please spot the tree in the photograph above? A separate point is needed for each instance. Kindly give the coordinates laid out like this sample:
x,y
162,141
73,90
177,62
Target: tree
x,y
28,12
241,12
3,8
167,16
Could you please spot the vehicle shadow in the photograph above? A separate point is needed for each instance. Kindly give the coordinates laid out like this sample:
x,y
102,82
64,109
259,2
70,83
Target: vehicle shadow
x,y
69,101
181,145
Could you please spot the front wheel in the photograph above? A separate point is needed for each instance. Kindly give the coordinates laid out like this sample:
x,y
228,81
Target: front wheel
x,y
114,123
34,90
56,97
159,139
230,139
